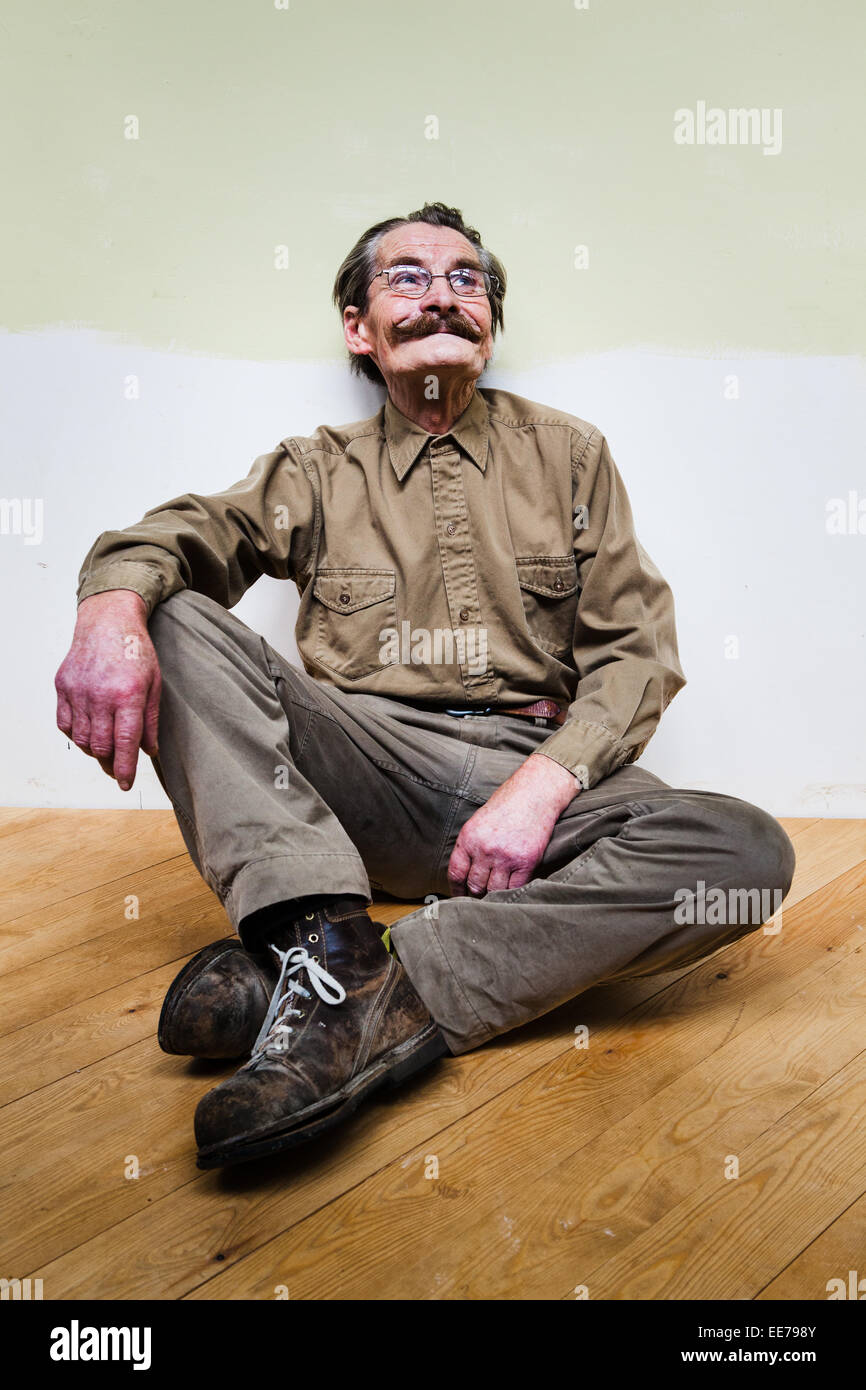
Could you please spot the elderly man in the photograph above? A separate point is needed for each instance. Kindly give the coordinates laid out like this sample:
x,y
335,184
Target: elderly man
x,y
487,650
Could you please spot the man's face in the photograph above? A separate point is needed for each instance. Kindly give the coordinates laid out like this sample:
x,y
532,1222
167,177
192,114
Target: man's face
x,y
440,331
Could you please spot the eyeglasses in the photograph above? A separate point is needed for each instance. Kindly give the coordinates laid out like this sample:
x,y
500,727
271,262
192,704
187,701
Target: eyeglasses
x,y
415,280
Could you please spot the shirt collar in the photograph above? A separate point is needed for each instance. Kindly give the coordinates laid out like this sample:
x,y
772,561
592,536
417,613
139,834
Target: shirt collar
x,y
405,439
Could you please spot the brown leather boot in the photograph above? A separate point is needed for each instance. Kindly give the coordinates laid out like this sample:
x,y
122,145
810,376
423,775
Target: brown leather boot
x,y
215,1005
344,1020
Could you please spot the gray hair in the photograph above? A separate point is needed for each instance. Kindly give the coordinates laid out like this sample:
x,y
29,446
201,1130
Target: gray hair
x,y
359,268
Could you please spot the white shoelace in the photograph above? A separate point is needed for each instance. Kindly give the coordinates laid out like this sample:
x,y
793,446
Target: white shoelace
x,y
273,1034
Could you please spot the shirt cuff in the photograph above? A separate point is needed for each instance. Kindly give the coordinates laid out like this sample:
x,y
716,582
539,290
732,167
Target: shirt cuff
x,y
586,750
142,579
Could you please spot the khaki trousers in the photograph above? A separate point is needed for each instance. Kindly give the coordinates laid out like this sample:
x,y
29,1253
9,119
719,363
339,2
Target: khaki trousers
x,y
284,786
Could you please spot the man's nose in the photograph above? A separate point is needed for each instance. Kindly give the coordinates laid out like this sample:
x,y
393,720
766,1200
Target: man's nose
x,y
439,295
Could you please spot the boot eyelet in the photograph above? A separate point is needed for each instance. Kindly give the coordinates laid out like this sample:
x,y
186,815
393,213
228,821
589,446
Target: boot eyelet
x,y
313,936
301,1015
309,917
316,959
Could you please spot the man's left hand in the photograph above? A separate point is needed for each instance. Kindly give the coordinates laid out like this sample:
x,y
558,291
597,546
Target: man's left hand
x,y
503,842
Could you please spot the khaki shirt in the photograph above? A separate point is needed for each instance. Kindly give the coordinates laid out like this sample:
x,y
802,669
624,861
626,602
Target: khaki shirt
x,y
491,566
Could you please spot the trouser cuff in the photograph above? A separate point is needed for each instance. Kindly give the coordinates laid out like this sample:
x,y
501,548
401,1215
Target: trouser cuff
x,y
285,876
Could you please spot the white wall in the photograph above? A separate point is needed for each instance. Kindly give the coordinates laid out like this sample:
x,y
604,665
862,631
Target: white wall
x,y
730,498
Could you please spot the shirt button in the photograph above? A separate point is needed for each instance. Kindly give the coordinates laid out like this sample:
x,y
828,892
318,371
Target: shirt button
x,y
345,598
464,615
450,529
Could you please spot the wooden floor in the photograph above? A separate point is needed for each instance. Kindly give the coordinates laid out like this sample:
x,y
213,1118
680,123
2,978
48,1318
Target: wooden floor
x,y
559,1168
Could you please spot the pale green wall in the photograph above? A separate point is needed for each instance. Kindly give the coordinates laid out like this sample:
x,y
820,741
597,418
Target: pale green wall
x,y
261,126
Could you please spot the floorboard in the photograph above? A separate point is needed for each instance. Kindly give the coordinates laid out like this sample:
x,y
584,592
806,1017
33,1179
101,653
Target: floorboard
x,y
529,1168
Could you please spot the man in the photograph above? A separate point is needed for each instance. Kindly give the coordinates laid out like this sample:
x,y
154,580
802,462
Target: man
x,y
487,649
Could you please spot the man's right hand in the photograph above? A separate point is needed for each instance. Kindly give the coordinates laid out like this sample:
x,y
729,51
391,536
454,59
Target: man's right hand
x,y
109,684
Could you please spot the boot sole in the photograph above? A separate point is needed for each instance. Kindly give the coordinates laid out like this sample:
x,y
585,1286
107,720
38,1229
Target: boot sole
x,y
392,1069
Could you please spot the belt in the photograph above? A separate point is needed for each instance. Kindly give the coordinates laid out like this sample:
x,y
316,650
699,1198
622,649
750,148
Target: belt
x,y
541,709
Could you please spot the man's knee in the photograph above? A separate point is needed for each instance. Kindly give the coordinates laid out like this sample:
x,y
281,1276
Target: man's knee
x,y
184,606
186,615
763,857
171,610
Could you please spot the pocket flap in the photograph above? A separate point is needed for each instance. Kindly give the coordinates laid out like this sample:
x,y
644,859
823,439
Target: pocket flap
x,y
347,590
554,576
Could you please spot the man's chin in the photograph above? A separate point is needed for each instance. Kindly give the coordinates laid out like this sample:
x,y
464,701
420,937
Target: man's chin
x,y
441,349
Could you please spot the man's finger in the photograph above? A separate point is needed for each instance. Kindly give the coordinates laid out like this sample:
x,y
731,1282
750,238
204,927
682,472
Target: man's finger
x,y
81,729
476,879
64,715
519,877
150,736
101,733
128,724
458,867
476,884
499,878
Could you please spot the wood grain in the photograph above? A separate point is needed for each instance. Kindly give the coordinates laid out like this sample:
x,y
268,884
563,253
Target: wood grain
x,y
557,1166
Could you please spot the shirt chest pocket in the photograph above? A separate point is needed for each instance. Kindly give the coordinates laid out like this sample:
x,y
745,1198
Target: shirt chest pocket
x,y
352,607
548,587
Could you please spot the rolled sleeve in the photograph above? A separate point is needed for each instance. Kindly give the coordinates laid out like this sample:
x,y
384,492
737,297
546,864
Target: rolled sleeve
x,y
146,580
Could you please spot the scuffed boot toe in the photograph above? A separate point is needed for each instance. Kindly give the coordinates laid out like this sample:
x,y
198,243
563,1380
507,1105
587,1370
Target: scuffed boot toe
x,y
215,1006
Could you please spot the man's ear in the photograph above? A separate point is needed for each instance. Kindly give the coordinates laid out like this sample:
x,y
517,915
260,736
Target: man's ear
x,y
355,332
